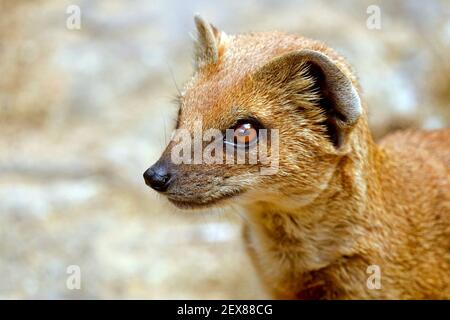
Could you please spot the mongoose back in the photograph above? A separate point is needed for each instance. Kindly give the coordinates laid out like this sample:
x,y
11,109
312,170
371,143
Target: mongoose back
x,y
342,217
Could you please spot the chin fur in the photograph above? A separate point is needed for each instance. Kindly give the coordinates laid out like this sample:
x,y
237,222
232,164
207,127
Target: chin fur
x,y
188,204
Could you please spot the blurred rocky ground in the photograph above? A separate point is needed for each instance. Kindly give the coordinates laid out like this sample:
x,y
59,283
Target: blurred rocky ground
x,y
84,112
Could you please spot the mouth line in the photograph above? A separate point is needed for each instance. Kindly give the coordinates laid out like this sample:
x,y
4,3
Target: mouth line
x,y
192,204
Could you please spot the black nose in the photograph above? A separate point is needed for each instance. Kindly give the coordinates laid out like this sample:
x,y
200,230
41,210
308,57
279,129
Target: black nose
x,y
157,177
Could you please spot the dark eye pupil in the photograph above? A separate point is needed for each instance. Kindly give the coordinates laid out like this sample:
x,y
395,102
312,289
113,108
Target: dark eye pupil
x,y
244,130
244,134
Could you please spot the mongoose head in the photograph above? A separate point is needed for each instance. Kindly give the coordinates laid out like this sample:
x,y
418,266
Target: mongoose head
x,y
292,97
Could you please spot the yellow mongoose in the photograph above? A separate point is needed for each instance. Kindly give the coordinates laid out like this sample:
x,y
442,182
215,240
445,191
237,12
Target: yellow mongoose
x,y
339,207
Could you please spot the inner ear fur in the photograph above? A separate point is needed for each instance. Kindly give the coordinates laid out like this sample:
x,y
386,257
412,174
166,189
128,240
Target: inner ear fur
x,y
207,44
336,93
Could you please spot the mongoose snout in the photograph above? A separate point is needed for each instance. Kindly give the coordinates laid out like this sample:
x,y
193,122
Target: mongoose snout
x,y
158,177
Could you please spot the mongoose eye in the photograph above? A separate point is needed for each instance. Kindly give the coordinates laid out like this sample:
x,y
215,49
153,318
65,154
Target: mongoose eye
x,y
244,134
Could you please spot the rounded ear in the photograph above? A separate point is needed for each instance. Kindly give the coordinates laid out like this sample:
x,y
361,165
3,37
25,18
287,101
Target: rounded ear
x,y
207,42
337,94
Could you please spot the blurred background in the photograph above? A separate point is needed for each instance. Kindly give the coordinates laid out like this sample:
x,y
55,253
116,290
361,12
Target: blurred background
x,y
84,112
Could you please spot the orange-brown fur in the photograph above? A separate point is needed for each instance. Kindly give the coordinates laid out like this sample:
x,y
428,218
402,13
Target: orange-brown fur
x,y
313,228
402,225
